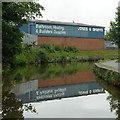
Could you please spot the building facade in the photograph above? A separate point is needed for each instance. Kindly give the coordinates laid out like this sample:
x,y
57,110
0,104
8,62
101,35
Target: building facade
x,y
82,36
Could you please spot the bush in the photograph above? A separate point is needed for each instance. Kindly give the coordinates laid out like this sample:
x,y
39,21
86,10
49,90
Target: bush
x,y
58,48
109,76
70,49
62,58
33,56
73,59
21,59
43,55
48,47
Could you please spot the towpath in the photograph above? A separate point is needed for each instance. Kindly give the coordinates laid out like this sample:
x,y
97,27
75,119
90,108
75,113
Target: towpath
x,y
110,65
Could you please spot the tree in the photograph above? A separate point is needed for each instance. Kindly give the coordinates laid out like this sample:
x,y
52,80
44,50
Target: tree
x,y
114,32
12,107
14,15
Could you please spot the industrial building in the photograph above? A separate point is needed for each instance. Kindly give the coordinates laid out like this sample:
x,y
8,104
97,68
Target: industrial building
x,y
82,36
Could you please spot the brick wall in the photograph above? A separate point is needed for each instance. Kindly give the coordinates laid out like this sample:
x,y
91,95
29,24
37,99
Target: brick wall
x,y
79,43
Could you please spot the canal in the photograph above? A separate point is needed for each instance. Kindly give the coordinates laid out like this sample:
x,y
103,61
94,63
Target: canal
x,y
58,91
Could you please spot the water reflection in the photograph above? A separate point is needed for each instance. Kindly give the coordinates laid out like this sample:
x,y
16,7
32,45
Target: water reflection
x,y
59,81
114,96
47,93
28,84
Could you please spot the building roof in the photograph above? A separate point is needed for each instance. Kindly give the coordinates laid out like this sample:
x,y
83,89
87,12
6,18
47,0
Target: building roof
x,y
64,23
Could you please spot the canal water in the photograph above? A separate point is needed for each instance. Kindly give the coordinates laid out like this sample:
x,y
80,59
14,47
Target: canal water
x,y
58,91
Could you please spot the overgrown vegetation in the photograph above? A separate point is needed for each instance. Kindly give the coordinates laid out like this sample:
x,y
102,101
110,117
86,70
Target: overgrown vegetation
x,y
50,53
44,71
111,77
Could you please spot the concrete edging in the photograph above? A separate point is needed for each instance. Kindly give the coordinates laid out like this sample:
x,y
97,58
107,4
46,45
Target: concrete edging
x,y
105,67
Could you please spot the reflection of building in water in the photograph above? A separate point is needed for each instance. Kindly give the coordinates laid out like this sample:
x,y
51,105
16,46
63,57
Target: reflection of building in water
x,y
79,77
64,91
26,87
82,83
67,91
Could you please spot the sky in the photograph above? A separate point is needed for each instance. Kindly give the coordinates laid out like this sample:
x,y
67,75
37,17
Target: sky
x,y
92,12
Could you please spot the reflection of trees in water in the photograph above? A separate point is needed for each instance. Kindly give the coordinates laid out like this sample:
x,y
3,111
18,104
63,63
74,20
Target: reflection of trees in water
x,y
114,105
11,106
47,71
114,96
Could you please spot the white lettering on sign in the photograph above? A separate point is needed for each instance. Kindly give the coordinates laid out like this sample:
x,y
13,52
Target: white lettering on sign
x,y
97,90
98,29
90,29
62,30
50,93
58,27
45,31
38,26
83,92
83,28
50,29
59,32
43,26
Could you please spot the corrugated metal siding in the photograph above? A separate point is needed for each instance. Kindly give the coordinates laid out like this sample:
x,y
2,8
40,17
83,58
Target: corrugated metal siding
x,y
29,38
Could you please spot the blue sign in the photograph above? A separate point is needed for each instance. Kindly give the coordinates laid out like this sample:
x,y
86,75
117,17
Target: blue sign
x,y
59,30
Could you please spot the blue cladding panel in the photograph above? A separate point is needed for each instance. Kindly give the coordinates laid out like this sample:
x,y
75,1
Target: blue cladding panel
x,y
43,29
24,28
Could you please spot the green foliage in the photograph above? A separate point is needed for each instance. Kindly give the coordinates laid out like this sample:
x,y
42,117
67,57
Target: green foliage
x,y
62,58
52,48
45,71
12,39
51,53
43,55
109,76
114,32
21,59
14,15
48,47
58,48
71,49
28,56
73,59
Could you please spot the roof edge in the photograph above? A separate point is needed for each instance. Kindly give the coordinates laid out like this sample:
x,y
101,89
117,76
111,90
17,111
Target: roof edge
x,y
64,23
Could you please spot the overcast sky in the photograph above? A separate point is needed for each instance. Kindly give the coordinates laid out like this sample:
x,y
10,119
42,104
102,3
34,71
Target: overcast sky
x,y
92,12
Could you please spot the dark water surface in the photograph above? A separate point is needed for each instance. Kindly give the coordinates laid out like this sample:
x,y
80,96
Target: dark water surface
x,y
58,91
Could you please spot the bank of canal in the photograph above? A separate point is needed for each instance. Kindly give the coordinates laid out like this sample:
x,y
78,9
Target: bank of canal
x,y
109,71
